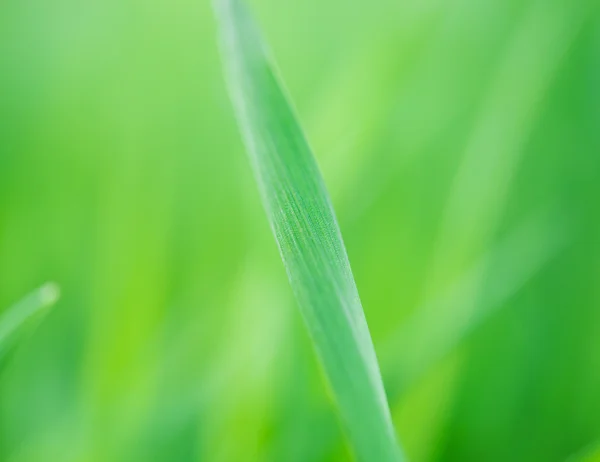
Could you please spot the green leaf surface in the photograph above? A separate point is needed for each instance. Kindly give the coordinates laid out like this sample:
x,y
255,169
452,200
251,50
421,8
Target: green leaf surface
x,y
16,321
308,235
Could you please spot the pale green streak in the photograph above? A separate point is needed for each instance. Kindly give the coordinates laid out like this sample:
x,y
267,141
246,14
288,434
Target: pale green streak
x,y
14,321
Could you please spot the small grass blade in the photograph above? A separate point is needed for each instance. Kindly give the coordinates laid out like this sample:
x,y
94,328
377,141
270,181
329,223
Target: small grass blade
x,y
15,321
308,235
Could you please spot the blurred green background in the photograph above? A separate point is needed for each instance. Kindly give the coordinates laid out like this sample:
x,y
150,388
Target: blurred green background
x,y
460,141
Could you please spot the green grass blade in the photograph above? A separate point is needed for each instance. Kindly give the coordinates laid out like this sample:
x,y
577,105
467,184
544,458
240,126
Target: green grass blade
x,y
308,236
15,321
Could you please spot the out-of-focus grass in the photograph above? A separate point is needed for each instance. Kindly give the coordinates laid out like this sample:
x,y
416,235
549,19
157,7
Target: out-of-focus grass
x,y
440,129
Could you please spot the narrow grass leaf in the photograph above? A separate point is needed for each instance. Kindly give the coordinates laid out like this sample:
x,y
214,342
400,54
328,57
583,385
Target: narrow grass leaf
x,y
16,321
307,234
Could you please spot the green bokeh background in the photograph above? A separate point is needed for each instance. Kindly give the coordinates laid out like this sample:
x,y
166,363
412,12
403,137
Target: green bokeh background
x,y
460,141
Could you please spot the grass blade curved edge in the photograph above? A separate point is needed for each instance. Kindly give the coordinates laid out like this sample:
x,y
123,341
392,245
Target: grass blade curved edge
x,y
307,234
16,320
